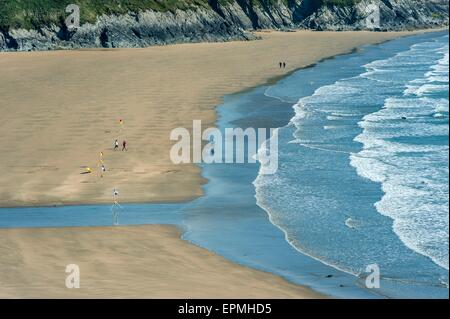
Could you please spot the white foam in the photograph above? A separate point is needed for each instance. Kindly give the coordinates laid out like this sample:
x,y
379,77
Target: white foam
x,y
437,74
405,180
332,127
350,223
425,89
415,186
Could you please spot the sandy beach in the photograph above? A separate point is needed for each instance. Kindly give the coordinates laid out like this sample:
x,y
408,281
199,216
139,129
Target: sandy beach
x,y
126,262
61,109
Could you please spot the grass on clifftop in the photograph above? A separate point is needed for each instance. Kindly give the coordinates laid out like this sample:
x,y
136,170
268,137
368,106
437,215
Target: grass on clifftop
x,y
31,14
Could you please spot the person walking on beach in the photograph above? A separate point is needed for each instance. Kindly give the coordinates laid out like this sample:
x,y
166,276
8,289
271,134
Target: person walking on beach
x,y
115,206
281,65
124,145
284,65
116,145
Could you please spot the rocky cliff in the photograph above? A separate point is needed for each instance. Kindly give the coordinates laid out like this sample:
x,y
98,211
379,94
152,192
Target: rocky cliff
x,y
223,20
383,15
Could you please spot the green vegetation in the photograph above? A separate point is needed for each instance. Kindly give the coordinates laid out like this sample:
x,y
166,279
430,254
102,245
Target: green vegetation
x,y
30,14
437,16
34,13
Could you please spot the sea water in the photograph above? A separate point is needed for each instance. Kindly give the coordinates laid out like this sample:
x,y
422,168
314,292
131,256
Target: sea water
x,y
363,163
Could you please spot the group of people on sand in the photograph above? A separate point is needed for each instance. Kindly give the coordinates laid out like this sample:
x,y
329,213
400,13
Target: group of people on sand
x,y
282,65
124,145
88,170
115,206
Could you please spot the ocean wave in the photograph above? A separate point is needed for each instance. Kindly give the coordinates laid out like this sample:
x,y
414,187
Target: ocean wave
x,y
400,135
431,82
414,177
425,89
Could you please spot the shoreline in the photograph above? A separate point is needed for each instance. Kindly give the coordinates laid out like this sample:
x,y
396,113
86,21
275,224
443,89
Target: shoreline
x,y
296,245
232,107
153,167
309,293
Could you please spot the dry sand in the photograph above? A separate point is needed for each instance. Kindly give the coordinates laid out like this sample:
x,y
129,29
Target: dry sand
x,y
126,262
61,109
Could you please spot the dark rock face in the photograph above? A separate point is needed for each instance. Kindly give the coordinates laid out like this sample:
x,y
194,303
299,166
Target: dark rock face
x,y
130,30
226,22
392,15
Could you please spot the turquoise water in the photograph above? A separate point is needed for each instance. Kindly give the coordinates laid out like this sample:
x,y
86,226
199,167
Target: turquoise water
x,y
362,179
363,175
